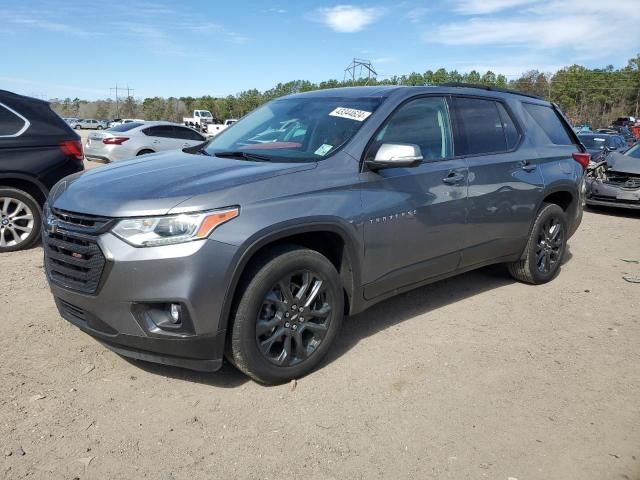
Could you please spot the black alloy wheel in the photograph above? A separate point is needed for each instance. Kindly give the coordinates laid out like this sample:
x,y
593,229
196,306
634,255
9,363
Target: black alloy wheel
x,y
294,318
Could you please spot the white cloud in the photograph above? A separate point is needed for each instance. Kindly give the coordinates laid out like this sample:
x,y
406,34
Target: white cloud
x,y
415,15
26,18
573,27
348,18
480,7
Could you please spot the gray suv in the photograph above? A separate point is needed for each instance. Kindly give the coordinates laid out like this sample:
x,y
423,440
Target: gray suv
x,y
255,249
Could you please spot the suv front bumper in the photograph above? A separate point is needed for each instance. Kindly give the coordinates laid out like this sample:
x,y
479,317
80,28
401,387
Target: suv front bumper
x,y
136,282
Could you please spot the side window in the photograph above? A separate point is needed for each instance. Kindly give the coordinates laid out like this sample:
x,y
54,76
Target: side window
x,y
187,134
165,131
511,133
550,123
11,124
423,122
480,128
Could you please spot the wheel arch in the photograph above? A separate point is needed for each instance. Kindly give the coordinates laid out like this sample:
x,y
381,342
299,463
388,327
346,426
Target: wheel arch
x,y
329,238
27,184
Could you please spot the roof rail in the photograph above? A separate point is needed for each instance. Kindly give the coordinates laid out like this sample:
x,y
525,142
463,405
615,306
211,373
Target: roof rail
x,y
490,88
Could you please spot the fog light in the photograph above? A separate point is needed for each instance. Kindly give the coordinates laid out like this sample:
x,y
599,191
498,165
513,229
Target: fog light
x,y
176,312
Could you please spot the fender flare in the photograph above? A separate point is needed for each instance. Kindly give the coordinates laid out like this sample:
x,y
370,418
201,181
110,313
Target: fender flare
x,y
282,230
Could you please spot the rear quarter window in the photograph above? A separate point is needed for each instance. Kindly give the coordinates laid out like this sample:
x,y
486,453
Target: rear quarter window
x,y
550,123
11,123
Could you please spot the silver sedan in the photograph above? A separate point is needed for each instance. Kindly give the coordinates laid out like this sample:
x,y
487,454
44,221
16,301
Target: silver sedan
x,y
139,138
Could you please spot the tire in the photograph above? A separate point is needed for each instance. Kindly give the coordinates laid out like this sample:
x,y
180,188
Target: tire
x,y
144,152
20,220
541,260
78,127
99,127
264,321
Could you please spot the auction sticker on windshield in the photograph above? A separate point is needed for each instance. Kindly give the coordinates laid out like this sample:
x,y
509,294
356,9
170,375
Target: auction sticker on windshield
x,y
350,113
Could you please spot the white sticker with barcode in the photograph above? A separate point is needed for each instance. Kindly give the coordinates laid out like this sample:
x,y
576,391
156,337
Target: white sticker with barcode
x,y
351,114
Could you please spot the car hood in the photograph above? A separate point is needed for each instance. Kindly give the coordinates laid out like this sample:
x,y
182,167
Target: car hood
x,y
154,184
623,163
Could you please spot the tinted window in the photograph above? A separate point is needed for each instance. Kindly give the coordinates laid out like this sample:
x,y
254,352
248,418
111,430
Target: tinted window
x,y
423,122
187,134
480,127
125,127
10,123
549,121
165,131
510,131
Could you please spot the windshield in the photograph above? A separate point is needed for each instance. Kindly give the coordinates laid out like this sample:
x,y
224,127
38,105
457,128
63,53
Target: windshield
x,y
296,129
205,114
590,141
634,151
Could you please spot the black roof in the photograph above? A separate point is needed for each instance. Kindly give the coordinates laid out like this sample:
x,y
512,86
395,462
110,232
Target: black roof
x,y
43,125
383,91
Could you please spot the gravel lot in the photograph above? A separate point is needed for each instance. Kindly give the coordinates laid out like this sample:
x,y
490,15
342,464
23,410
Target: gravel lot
x,y
474,377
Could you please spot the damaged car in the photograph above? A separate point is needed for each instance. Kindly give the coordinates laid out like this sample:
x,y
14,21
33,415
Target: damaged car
x,y
615,182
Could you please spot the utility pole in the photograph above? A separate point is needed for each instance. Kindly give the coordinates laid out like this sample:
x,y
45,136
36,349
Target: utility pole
x,y
117,103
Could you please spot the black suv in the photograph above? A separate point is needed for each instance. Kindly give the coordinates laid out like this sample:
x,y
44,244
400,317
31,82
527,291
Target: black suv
x,y
37,149
257,249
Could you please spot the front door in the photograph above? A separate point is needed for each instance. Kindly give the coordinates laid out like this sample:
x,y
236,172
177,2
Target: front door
x,y
414,217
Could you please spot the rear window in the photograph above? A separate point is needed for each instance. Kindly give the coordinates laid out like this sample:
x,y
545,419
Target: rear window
x,y
125,127
592,141
10,123
549,121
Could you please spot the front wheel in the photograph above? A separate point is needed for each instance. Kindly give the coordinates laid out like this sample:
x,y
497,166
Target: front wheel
x,y
545,249
287,317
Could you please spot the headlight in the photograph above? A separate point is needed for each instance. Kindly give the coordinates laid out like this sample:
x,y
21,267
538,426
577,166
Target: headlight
x,y
170,229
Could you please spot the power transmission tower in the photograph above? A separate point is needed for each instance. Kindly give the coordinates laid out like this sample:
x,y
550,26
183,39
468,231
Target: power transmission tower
x,y
356,69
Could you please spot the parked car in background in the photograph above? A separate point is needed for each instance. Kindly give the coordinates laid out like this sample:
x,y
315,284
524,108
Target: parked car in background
x,y
600,144
258,250
89,124
615,182
582,128
624,121
37,149
139,138
119,121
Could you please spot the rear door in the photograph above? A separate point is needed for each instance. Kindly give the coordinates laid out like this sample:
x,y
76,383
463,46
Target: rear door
x,y
505,183
414,218
161,138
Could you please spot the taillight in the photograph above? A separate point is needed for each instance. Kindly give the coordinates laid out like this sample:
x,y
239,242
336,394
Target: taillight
x,y
114,140
72,148
582,158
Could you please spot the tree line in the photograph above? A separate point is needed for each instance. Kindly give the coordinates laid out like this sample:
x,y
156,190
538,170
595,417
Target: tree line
x,y
593,96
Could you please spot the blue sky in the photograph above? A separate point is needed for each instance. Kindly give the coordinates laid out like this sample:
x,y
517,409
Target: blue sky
x,y
66,48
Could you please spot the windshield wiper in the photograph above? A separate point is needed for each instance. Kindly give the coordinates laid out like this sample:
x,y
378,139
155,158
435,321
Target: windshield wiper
x,y
243,155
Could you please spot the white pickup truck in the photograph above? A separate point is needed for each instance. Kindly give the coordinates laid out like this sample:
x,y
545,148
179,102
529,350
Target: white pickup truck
x,y
203,121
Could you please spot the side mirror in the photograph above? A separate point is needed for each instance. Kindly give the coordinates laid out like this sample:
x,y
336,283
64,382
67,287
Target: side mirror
x,y
391,155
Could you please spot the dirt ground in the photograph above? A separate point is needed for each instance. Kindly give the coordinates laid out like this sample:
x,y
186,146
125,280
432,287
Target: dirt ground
x,y
474,377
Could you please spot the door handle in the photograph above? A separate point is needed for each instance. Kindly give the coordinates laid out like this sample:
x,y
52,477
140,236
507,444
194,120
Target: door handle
x,y
453,178
527,166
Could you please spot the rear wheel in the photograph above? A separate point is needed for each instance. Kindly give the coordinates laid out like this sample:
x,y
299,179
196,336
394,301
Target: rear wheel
x,y
287,317
144,152
545,249
20,220
99,127
78,127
